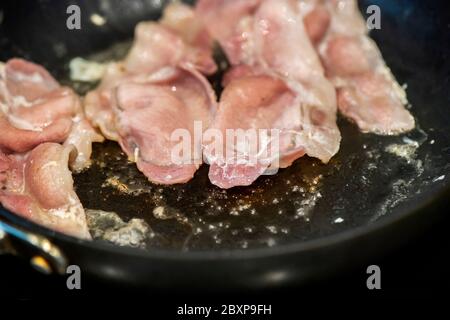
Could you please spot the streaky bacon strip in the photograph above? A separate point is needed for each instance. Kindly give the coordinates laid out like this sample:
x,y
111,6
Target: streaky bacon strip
x,y
13,139
28,80
148,113
231,24
268,39
178,39
158,88
257,102
98,103
285,49
38,186
36,114
182,20
35,109
367,91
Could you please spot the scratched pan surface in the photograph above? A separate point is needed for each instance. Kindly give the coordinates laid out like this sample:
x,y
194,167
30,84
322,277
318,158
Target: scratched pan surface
x,y
309,218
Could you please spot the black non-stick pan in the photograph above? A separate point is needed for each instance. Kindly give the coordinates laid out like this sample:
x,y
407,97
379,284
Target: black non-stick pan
x,y
307,221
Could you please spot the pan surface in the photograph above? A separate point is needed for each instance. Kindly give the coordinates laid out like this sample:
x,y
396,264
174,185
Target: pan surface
x,y
306,215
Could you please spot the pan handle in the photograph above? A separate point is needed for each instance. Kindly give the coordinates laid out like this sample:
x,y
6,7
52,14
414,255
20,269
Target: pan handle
x,y
45,256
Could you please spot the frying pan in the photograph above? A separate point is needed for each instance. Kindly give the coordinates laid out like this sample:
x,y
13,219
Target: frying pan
x,y
306,222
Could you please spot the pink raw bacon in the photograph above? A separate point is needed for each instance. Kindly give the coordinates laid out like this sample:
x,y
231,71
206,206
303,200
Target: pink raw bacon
x,y
255,102
179,39
148,113
268,38
367,91
35,109
38,186
157,89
